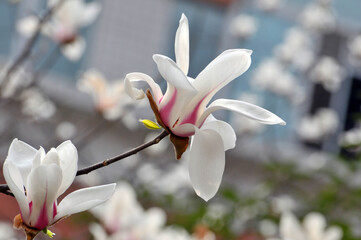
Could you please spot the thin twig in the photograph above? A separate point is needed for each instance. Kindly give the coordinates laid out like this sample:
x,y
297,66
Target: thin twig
x,y
5,189
122,156
25,53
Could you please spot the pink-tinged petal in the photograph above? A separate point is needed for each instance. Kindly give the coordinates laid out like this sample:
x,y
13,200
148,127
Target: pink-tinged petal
x,y
206,162
221,71
22,156
136,93
84,199
44,182
74,51
246,109
68,156
179,90
89,13
290,227
14,180
223,129
181,45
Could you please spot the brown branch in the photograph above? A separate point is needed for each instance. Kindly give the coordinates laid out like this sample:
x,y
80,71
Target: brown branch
x,y
122,156
5,189
25,53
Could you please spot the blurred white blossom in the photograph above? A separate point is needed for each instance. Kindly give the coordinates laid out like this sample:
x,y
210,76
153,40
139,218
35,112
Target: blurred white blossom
x,y
315,128
313,228
318,17
354,47
269,5
65,130
328,73
271,75
283,203
18,79
296,49
36,106
243,26
351,137
64,25
7,231
109,99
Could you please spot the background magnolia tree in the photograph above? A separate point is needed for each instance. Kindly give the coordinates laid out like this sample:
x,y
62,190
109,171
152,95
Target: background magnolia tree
x,y
81,134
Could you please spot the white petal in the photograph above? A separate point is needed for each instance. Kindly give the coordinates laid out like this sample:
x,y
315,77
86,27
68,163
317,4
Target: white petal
x,y
333,233
73,51
222,70
223,129
84,199
68,156
290,227
206,163
93,83
179,89
51,157
21,155
137,94
89,13
314,224
14,180
98,232
44,182
249,110
27,26
181,45
172,73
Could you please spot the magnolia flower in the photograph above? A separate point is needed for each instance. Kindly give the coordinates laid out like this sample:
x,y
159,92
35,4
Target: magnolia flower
x,y
35,105
37,179
328,73
7,231
124,218
315,128
183,113
109,98
313,228
20,79
271,75
354,47
318,17
243,26
351,138
296,49
65,130
269,5
64,25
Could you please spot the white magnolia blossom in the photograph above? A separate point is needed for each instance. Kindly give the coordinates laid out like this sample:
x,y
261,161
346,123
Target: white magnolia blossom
x,y
109,99
351,137
296,49
36,106
354,47
283,203
315,128
19,79
313,228
243,26
318,17
124,218
328,73
243,125
271,75
65,130
183,110
7,231
269,5
37,179
64,25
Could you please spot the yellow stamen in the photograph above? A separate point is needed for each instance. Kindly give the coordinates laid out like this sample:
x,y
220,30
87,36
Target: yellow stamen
x,y
48,232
